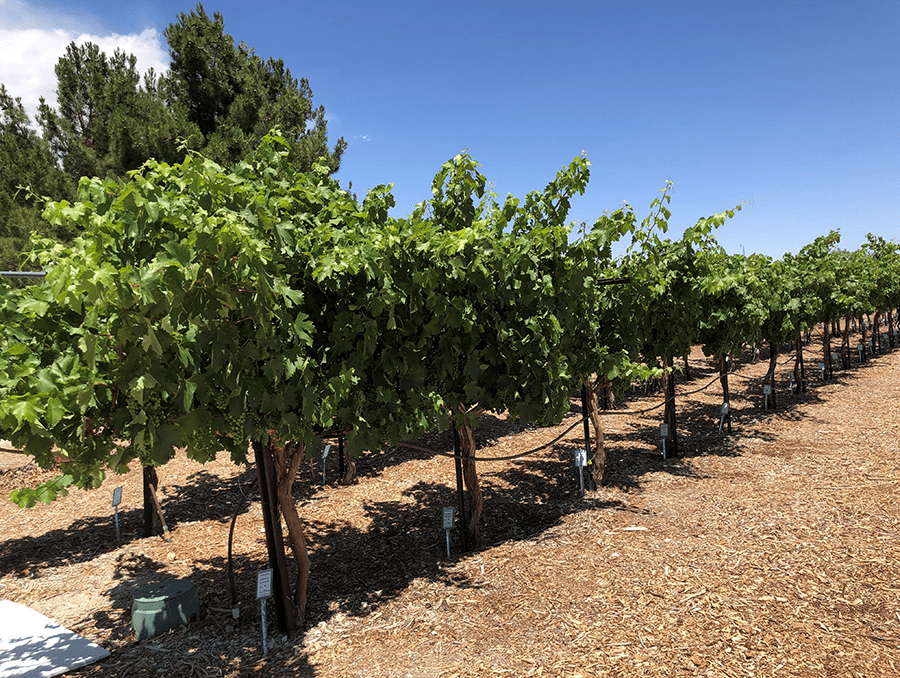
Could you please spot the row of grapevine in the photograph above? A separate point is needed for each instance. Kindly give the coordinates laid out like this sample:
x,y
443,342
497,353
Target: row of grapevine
x,y
214,308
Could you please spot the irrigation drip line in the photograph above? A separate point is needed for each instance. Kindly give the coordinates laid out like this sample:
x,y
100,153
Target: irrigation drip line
x,y
740,376
560,436
506,458
557,438
656,407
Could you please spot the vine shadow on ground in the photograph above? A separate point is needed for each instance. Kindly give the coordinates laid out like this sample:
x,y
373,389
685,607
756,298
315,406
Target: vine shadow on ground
x,y
698,425
203,496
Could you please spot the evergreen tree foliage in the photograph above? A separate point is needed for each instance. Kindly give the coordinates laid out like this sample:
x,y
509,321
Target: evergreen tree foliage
x,y
27,168
217,97
234,98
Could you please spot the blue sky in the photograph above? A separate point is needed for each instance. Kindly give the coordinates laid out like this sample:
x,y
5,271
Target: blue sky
x,y
791,108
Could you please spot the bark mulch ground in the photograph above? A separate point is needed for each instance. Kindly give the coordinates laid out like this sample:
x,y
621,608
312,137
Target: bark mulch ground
x,y
769,551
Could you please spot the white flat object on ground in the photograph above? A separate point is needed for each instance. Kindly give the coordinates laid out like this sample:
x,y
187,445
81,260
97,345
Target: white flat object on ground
x,y
34,646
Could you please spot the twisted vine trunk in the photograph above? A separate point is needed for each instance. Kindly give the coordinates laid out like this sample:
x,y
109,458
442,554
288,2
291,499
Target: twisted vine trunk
x,y
277,467
473,489
845,344
876,332
726,394
287,463
668,380
598,468
770,373
151,503
799,369
151,482
349,476
862,329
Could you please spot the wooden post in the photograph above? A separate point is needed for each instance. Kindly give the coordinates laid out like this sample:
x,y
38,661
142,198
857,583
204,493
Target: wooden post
x,y
586,393
149,481
670,408
457,453
284,605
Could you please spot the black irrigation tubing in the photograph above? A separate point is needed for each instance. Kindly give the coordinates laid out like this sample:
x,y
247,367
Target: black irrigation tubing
x,y
556,439
580,420
507,458
613,413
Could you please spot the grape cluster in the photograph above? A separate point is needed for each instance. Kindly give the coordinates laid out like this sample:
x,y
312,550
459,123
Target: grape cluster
x,y
233,425
152,411
203,443
151,407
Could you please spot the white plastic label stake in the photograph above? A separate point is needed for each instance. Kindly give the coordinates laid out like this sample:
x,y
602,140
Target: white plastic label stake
x,y
581,461
725,409
263,591
449,516
325,451
264,584
117,499
663,430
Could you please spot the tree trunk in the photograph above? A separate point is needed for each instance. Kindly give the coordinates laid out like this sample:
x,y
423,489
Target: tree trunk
x,y
826,348
610,393
266,474
151,503
845,344
287,463
687,369
349,476
151,482
669,415
598,467
799,369
470,476
770,373
862,328
876,332
726,396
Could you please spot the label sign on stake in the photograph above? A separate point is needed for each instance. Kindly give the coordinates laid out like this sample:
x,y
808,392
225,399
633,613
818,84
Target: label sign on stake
x,y
263,592
581,462
117,499
664,433
767,392
725,410
264,584
449,517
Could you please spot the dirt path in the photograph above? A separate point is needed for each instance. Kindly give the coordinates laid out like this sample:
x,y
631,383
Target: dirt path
x,y
768,552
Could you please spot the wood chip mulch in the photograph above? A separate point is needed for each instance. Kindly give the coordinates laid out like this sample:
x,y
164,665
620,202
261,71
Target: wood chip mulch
x,y
768,551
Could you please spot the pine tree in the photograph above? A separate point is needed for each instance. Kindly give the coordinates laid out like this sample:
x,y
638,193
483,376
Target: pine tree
x,y
27,169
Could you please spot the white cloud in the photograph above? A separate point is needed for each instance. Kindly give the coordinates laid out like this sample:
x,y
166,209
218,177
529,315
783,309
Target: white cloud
x,y
30,53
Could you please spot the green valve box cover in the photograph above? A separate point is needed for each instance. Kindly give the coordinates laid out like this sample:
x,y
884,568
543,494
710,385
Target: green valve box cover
x,y
163,606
